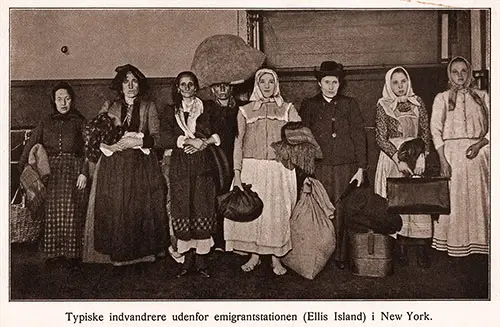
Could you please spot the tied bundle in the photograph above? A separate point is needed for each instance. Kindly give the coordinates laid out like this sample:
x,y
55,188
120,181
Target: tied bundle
x,y
99,130
298,147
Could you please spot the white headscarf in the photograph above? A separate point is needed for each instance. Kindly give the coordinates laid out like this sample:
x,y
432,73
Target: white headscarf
x,y
258,98
389,100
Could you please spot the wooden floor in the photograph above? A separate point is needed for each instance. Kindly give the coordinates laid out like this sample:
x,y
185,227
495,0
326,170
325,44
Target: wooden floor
x,y
465,278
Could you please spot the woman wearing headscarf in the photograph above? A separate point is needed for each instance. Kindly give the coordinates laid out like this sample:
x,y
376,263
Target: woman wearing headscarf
x,y
401,116
190,128
61,135
460,131
259,125
129,214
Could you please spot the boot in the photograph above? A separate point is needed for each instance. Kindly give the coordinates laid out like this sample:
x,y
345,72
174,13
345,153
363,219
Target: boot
x,y
402,253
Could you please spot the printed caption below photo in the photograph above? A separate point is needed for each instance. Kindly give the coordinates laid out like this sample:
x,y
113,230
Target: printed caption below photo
x,y
306,317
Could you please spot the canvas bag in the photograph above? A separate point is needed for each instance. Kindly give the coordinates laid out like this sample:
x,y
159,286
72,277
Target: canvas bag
x,y
312,231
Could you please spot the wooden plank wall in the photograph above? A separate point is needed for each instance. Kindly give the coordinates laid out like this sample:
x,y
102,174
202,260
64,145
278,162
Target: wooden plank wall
x,y
352,37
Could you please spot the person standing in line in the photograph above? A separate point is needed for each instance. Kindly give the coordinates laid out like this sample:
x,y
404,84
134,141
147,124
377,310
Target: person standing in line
x,y
460,131
259,125
61,135
338,127
401,116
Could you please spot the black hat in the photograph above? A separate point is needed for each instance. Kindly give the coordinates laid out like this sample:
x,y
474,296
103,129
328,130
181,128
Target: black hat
x,y
329,68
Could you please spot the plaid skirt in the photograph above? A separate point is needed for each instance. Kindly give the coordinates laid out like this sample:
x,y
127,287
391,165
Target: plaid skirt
x,y
64,209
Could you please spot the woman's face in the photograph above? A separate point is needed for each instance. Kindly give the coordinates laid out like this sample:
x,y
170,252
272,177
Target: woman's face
x,y
329,86
62,100
187,87
267,84
459,72
399,83
130,86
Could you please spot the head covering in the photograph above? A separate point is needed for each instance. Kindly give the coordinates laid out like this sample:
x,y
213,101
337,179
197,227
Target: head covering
x,y
389,100
225,59
330,68
73,112
466,87
121,73
258,98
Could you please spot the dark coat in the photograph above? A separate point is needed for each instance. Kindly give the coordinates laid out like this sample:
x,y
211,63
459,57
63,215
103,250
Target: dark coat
x,y
342,117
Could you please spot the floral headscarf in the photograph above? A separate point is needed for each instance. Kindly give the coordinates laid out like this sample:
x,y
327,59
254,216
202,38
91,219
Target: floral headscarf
x,y
258,98
389,100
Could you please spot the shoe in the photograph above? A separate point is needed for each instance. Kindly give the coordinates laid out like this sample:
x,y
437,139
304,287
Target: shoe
x,y
423,259
340,264
204,273
182,272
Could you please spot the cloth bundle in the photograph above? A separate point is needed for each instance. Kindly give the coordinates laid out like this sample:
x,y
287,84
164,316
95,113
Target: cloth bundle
x,y
298,147
240,205
312,230
99,130
365,211
410,150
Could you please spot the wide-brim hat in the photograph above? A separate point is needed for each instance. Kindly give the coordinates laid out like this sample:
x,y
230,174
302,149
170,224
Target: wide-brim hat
x,y
329,68
225,58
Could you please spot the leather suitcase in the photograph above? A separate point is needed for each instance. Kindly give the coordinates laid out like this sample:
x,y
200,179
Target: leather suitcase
x,y
371,254
418,195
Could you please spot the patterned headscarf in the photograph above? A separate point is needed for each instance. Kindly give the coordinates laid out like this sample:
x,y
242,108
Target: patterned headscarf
x,y
467,87
389,100
258,98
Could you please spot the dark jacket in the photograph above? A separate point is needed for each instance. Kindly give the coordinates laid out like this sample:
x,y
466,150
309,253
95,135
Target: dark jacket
x,y
59,134
342,117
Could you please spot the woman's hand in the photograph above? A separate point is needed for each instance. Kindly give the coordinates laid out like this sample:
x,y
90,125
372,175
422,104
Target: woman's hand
x,y
404,168
359,176
420,165
473,150
237,180
197,143
129,142
189,149
445,168
81,182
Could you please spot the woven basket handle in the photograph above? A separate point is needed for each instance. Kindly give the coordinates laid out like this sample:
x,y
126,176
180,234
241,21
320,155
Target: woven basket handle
x,y
23,198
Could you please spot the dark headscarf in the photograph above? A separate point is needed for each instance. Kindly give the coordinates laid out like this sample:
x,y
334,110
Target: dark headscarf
x,y
121,74
73,112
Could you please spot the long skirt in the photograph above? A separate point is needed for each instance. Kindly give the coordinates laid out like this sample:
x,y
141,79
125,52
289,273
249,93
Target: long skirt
x,y
270,232
192,206
415,226
64,209
335,179
467,229
130,218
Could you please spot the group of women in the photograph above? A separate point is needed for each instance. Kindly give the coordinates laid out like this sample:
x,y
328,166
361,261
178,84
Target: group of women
x,y
123,219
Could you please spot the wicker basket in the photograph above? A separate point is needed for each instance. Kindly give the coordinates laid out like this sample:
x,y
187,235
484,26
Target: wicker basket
x,y
22,226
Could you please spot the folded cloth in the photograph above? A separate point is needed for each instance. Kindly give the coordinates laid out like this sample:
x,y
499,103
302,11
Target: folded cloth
x,y
39,160
298,148
108,151
34,188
